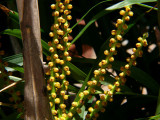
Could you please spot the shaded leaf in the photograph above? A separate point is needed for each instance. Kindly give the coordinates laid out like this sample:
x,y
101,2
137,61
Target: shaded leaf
x,y
88,12
157,117
84,85
15,62
17,33
140,76
14,16
96,17
73,89
76,72
158,104
15,59
83,60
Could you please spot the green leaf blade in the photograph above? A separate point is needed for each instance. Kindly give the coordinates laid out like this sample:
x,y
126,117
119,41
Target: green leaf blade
x,y
127,3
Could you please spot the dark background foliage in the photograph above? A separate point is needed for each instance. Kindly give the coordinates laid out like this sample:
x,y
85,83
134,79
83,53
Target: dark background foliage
x,y
144,75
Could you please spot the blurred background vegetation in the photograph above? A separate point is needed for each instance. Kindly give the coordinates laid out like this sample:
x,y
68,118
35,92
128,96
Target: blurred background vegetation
x,y
91,35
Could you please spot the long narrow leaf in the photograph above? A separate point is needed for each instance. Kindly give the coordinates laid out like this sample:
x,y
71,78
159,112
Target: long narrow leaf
x,y
17,33
158,104
140,76
89,12
15,62
15,59
147,6
12,14
96,17
15,67
128,2
78,74
84,85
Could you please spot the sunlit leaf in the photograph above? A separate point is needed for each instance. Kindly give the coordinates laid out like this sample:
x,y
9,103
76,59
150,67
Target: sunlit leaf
x,y
127,3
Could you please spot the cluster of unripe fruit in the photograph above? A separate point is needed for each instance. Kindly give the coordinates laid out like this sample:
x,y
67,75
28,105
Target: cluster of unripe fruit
x,y
57,83
119,80
107,64
99,73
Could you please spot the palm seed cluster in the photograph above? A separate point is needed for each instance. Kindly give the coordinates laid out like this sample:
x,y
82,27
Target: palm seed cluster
x,y
120,80
57,84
